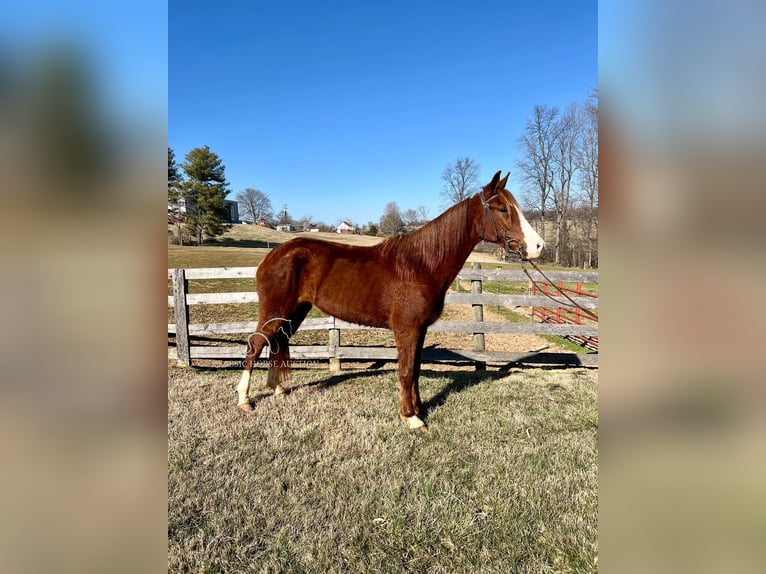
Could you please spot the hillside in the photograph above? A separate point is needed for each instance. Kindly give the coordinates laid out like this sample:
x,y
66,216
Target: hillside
x,y
240,235
255,236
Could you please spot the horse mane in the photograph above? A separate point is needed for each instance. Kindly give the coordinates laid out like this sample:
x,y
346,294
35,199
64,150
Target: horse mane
x,y
432,247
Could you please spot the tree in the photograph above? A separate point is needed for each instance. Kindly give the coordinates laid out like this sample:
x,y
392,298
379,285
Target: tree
x,y
371,229
391,223
174,177
461,180
304,223
423,214
204,191
410,218
587,163
535,167
255,205
564,166
559,167
174,193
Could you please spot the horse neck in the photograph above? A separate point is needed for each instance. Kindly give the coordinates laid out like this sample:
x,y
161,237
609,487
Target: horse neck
x,y
443,245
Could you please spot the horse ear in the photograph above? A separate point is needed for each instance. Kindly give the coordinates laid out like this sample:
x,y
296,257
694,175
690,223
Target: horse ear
x,y
492,185
502,182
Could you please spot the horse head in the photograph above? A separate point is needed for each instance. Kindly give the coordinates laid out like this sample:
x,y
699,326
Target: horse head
x,y
504,222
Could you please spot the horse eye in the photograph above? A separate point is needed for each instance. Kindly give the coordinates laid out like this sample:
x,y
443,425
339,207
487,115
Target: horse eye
x,y
503,210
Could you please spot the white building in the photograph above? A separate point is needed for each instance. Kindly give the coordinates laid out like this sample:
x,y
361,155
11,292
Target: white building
x,y
345,228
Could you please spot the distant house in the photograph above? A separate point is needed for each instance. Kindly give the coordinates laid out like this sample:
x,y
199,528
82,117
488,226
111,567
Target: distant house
x,y
345,228
285,227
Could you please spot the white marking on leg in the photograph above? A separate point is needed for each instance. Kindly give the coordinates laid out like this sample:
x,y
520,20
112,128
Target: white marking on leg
x,y
242,389
533,240
414,423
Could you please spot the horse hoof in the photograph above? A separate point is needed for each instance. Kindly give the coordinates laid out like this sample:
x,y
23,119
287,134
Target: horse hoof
x,y
280,390
247,407
414,423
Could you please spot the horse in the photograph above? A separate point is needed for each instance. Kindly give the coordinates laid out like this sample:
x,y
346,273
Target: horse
x,y
398,284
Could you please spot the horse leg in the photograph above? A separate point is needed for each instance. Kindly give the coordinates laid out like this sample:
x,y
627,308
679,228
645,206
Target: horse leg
x,y
274,331
417,404
255,345
409,345
279,362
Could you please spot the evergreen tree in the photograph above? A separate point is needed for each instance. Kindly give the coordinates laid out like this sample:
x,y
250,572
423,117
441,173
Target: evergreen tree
x,y
174,178
204,191
372,229
175,193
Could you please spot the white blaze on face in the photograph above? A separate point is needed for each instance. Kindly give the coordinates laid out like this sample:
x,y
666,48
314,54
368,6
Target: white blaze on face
x,y
534,242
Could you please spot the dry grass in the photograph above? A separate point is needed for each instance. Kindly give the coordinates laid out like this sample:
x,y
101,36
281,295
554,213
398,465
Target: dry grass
x,y
327,479
246,246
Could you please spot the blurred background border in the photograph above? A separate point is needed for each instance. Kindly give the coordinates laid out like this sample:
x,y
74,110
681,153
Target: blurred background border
x,y
83,132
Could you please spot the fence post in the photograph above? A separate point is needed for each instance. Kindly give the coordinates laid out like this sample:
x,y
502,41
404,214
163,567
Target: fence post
x,y
478,315
334,344
181,312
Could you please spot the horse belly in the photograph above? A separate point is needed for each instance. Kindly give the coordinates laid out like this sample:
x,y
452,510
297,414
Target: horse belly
x,y
354,293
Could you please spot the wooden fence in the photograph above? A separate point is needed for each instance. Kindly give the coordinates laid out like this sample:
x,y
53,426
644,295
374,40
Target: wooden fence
x,y
565,315
184,352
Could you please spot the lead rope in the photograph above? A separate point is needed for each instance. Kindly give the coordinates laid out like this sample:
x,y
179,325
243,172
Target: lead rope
x,y
521,252
574,303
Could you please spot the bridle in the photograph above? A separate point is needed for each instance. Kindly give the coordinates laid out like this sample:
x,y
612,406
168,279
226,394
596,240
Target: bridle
x,y
522,253
506,239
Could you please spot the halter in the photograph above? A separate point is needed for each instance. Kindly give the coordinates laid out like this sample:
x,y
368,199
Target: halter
x,y
507,239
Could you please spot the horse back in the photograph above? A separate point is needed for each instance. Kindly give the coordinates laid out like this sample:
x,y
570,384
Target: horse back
x,y
355,284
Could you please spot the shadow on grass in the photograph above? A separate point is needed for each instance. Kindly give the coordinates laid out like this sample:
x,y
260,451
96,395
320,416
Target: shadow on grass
x,y
241,243
459,381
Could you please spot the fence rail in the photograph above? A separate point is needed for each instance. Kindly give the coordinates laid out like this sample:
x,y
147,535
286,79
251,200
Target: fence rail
x,y
184,352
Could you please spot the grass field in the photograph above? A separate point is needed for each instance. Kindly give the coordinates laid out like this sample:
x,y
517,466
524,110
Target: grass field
x,y
327,479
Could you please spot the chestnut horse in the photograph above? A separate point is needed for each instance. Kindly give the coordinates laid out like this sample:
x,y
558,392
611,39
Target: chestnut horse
x,y
398,284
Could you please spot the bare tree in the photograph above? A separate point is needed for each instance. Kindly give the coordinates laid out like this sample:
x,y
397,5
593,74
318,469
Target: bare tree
x,y
410,218
423,214
461,180
587,163
559,171
564,165
255,205
305,223
535,167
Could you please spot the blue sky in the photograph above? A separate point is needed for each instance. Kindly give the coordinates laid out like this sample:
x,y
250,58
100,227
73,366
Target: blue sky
x,y
336,108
